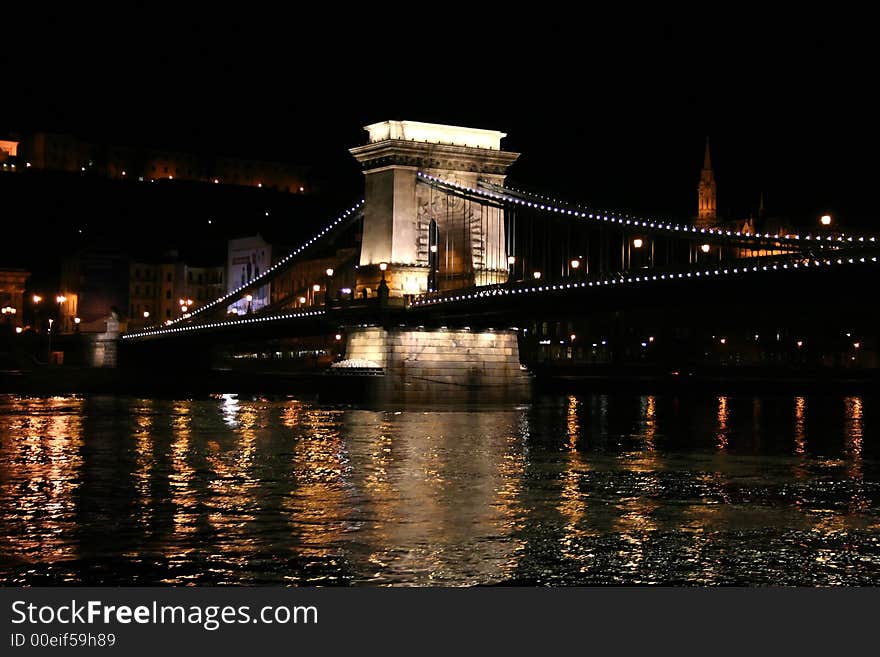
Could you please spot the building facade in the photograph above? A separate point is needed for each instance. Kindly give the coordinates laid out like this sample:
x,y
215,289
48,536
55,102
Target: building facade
x,y
164,291
12,287
248,258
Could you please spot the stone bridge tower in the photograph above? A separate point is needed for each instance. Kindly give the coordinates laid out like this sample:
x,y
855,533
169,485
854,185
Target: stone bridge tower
x,y
428,239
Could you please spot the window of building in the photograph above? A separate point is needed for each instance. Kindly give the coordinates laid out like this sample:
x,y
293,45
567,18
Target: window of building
x,y
167,294
167,313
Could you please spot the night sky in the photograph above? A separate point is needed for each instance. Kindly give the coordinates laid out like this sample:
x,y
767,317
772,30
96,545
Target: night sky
x,y
609,112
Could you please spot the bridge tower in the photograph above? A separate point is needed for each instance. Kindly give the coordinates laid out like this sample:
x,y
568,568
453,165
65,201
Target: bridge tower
x,y
427,239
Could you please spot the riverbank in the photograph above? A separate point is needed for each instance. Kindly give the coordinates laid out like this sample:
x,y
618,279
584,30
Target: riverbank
x,y
318,383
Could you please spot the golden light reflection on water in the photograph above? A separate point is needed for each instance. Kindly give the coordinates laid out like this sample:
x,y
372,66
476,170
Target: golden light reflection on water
x,y
853,432
722,433
800,433
433,486
182,475
573,503
424,498
232,480
317,506
145,461
40,469
635,522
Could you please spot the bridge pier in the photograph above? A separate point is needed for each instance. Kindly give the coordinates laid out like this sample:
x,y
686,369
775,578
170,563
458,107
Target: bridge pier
x,y
440,365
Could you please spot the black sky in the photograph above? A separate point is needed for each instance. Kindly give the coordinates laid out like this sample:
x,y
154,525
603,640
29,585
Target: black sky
x,y
611,112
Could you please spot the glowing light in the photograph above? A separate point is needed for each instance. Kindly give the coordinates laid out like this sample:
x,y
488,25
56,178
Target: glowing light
x,y
856,345
383,266
511,260
651,338
537,275
316,288
575,263
825,220
637,243
705,248
433,248
61,298
572,336
800,343
338,336
76,320
249,298
18,329
302,299
723,341
329,271
37,298
146,314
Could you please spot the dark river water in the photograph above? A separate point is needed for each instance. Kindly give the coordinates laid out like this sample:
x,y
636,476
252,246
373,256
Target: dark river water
x,y
567,490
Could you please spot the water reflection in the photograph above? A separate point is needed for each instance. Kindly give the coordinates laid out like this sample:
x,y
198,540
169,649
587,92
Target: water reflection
x,y
573,490
40,470
723,430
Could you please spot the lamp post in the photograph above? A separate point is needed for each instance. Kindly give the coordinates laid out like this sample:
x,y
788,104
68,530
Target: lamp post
x,y
511,263
60,299
383,291
329,273
49,355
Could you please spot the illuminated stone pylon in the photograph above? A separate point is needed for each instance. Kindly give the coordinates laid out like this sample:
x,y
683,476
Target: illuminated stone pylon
x,y
415,229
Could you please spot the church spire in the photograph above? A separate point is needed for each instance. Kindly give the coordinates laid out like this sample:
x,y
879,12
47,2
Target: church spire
x,y
706,212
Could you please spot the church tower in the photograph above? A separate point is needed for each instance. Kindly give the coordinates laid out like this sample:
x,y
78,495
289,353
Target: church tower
x,y
706,212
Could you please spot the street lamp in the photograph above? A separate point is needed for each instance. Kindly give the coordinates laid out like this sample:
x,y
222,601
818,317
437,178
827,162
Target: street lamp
x,y
49,355
329,273
383,284
825,220
60,299
249,298
575,263
537,275
705,248
638,242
